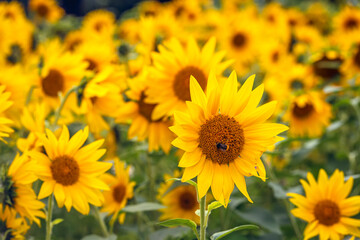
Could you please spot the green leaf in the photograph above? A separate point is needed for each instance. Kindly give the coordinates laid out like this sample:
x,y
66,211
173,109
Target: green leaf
x,y
180,222
57,221
214,205
96,237
191,182
222,234
141,207
278,190
262,217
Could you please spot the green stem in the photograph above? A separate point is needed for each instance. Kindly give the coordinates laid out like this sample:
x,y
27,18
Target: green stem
x,y
49,218
286,204
101,222
203,222
62,103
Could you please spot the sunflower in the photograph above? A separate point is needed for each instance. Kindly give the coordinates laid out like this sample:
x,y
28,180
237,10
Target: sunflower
x,y
224,134
173,66
46,10
180,202
19,195
326,206
4,121
121,189
100,22
308,114
351,66
71,172
239,38
347,24
140,111
12,227
318,16
61,71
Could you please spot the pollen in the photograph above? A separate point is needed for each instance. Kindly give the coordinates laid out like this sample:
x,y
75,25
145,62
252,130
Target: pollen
x,y
181,85
119,193
65,170
53,83
221,139
327,212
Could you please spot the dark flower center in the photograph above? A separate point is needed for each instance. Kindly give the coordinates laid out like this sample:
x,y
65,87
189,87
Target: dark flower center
x,y
302,112
239,40
188,200
351,23
327,212
119,193
356,57
65,170
221,139
327,68
181,85
53,83
92,65
42,10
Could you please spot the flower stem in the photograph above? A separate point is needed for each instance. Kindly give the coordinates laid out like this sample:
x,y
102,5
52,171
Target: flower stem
x,y
49,218
62,103
101,223
203,222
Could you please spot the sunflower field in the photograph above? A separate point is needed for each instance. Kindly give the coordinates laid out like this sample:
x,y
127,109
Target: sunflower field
x,y
182,119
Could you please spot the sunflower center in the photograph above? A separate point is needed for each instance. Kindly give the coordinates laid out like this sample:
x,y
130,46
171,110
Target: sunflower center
x,y
303,111
182,81
53,83
99,26
42,10
92,64
10,15
188,200
119,193
221,139
65,170
327,212
356,58
351,23
146,109
239,40
327,68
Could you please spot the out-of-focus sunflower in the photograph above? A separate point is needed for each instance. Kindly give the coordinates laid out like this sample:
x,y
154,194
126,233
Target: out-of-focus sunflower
x,y
239,39
97,54
143,126
173,66
100,22
46,10
71,172
351,66
347,24
4,121
121,190
74,39
12,227
295,18
308,114
180,202
18,193
61,71
150,8
326,206
102,97
307,38
318,16
224,134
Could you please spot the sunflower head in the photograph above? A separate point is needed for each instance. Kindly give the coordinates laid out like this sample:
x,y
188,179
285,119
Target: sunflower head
x,y
326,206
120,190
223,134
